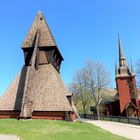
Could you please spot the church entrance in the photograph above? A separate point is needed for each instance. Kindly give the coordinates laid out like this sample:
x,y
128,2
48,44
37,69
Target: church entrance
x,y
131,110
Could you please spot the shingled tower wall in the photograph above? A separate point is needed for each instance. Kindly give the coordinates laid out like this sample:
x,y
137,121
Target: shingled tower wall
x,y
38,90
126,87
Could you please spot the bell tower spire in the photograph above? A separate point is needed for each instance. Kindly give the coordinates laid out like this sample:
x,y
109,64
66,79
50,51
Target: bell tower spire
x,y
47,49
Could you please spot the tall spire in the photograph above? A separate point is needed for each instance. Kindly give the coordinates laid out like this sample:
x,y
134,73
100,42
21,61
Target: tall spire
x,y
122,60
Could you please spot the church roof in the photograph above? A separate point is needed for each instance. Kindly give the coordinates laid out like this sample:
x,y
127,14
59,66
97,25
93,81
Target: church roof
x,y
46,38
48,92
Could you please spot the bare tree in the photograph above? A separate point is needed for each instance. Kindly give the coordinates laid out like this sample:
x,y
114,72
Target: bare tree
x,y
89,83
80,86
98,79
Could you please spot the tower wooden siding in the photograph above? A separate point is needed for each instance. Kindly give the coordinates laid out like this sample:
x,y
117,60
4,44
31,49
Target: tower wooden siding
x,y
124,92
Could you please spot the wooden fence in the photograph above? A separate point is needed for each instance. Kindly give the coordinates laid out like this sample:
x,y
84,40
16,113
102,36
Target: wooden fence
x,y
130,120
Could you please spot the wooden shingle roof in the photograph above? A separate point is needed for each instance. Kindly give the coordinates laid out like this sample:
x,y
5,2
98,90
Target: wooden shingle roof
x,y
48,92
46,38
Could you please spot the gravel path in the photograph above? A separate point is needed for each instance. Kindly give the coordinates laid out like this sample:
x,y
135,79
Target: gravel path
x,y
9,137
125,130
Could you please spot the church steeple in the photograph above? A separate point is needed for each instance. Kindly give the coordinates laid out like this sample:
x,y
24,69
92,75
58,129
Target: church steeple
x,y
122,60
123,69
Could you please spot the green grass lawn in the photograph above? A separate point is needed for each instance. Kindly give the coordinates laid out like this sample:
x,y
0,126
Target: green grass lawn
x,y
54,130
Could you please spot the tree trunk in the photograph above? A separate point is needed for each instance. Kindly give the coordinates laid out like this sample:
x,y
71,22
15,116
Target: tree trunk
x,y
98,112
84,109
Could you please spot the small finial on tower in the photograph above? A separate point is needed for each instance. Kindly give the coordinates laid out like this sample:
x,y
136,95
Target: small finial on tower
x,y
116,70
132,69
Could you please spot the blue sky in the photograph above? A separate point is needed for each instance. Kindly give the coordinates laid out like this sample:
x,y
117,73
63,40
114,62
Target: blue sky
x,y
83,29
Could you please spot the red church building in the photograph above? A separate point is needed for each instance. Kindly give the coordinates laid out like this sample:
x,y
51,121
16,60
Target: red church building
x,y
127,103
